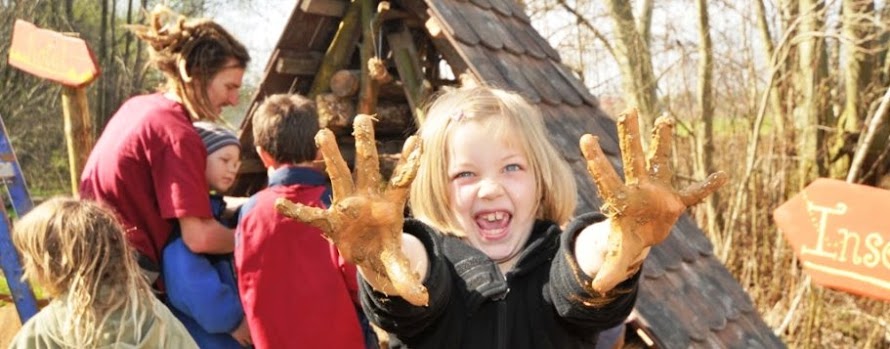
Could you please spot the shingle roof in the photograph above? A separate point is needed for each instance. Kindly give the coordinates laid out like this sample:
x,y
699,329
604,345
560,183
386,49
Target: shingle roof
x,y
687,297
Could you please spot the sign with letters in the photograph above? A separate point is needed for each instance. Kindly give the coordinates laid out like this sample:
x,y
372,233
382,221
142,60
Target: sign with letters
x,y
841,234
52,56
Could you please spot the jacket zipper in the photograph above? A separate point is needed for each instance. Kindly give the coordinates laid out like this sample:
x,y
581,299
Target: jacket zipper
x,y
502,323
502,317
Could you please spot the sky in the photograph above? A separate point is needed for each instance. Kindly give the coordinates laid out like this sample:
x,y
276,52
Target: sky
x,y
258,25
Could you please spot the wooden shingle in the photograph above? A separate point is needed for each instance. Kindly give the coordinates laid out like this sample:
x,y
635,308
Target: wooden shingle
x,y
518,29
456,27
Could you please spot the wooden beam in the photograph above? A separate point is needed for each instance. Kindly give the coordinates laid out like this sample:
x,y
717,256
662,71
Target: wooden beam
x,y
367,102
340,50
298,63
417,88
330,8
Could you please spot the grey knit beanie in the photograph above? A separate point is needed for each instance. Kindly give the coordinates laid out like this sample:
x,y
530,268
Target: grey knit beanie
x,y
215,137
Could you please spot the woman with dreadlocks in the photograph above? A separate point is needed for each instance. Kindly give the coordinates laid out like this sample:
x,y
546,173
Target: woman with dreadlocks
x,y
77,252
148,164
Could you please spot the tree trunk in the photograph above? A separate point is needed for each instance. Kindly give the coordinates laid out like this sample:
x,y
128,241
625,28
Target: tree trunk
x,y
101,103
859,64
635,60
812,110
645,22
704,164
776,94
127,86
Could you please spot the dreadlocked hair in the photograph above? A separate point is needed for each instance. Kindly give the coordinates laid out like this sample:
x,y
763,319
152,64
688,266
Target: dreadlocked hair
x,y
76,250
190,52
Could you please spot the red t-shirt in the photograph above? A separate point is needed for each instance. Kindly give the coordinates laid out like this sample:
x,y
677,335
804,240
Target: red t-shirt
x,y
295,291
148,166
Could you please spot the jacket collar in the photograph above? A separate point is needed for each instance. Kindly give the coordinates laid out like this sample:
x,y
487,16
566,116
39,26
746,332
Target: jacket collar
x,y
482,276
290,175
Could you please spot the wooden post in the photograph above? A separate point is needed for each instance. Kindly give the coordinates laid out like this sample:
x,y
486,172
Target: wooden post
x,y
340,50
417,88
368,95
78,131
68,61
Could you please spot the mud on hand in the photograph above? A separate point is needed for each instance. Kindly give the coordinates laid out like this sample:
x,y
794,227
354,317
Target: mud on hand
x,y
643,208
365,222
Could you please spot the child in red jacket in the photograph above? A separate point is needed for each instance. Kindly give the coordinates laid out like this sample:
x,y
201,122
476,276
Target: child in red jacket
x,y
295,288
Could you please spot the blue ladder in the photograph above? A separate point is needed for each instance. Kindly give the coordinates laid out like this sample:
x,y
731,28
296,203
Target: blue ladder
x,y
11,177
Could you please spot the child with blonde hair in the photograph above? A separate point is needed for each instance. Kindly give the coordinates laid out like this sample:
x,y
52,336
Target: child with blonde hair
x,y
77,252
485,264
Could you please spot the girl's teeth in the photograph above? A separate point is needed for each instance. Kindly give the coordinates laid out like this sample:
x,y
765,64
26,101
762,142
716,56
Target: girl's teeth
x,y
494,216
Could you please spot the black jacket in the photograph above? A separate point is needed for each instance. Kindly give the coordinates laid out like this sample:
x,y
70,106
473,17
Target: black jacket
x,y
541,303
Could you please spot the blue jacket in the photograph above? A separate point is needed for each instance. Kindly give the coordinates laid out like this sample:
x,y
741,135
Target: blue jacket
x,y
201,290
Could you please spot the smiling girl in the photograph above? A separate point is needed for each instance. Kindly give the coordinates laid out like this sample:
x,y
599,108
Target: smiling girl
x,y
485,263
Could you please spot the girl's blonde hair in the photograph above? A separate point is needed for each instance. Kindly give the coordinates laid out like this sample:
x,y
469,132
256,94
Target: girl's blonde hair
x,y
190,52
77,252
510,118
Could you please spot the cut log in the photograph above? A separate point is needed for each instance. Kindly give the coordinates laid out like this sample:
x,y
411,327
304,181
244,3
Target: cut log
x,y
340,50
394,119
345,83
334,112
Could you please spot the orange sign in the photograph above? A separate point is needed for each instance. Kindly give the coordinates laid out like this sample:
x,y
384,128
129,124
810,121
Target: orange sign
x,y
51,55
841,233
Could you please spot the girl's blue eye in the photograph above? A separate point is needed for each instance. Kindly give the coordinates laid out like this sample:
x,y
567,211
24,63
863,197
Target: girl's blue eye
x,y
512,168
464,174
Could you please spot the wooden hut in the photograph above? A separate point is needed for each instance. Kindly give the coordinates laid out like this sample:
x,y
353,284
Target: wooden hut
x,y
687,297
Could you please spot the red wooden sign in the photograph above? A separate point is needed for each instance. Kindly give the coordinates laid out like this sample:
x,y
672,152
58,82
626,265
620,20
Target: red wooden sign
x,y
51,55
841,233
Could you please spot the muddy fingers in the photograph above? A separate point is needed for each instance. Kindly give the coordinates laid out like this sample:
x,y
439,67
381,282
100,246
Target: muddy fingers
x,y
403,278
367,162
363,222
604,176
643,209
631,147
697,192
624,249
314,216
405,171
660,150
341,180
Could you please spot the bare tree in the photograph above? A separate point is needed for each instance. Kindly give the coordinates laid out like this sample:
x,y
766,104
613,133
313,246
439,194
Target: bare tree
x,y
704,163
857,42
813,108
634,58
